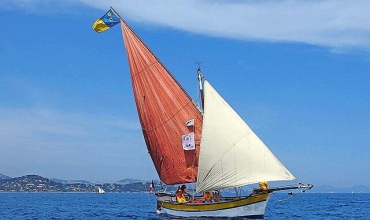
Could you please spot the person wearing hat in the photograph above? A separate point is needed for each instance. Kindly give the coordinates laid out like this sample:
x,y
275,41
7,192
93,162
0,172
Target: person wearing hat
x,y
183,189
180,198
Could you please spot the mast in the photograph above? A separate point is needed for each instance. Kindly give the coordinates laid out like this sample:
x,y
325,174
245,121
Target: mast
x,y
200,81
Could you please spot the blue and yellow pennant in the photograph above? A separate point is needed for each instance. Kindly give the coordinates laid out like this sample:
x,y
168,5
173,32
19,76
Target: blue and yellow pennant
x,y
107,21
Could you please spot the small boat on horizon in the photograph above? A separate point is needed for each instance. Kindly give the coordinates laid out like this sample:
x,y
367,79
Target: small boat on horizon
x,y
100,190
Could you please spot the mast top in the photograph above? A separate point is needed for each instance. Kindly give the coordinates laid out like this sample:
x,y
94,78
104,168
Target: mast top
x,y
199,71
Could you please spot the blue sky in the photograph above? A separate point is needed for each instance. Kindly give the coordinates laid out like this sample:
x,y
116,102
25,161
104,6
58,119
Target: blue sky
x,y
296,71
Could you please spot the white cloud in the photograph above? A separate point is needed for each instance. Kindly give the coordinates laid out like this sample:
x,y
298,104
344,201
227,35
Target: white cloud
x,y
330,23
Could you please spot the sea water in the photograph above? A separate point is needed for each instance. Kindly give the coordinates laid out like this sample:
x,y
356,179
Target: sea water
x,y
142,206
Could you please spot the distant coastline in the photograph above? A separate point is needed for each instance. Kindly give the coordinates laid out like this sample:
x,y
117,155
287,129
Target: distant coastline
x,y
36,183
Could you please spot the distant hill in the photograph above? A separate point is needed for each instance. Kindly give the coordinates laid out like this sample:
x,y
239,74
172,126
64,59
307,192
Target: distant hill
x,y
332,189
357,189
2,176
71,181
35,183
129,181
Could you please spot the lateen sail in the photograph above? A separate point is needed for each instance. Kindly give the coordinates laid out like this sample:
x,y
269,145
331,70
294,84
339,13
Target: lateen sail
x,y
163,107
231,154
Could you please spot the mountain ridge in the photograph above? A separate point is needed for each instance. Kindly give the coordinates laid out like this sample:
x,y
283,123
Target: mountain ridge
x,y
2,176
36,183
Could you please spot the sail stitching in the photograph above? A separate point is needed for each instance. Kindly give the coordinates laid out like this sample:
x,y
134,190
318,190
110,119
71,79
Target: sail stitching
x,y
151,64
167,119
230,148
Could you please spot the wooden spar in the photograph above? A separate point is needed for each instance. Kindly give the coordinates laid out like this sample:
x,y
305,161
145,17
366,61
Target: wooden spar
x,y
271,190
300,186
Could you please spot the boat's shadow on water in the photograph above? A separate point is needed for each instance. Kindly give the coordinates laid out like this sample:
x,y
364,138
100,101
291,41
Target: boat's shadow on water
x,y
226,218
215,218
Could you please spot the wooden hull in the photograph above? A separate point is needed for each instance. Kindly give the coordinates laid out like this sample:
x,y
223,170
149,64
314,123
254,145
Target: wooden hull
x,y
251,206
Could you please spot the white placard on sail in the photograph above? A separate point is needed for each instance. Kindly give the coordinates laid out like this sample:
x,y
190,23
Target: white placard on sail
x,y
188,142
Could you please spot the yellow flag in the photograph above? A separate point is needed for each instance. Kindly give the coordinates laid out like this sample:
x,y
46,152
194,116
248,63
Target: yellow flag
x,y
107,21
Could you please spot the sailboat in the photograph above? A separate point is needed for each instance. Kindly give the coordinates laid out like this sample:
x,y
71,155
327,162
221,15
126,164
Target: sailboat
x,y
100,190
207,144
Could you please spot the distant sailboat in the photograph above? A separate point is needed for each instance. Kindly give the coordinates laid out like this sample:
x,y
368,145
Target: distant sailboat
x,y
100,190
209,145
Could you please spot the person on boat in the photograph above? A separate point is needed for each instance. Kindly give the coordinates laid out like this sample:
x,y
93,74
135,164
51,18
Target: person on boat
x,y
178,190
264,185
263,188
181,191
216,195
207,197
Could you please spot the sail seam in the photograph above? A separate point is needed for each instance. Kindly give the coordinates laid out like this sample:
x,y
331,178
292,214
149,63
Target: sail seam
x,y
149,65
128,29
167,119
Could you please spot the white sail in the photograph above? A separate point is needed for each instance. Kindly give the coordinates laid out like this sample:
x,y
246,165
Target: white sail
x,y
231,154
100,190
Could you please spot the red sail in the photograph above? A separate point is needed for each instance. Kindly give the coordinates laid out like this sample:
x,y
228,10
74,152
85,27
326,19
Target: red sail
x,y
163,107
